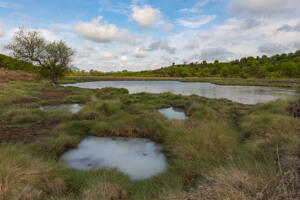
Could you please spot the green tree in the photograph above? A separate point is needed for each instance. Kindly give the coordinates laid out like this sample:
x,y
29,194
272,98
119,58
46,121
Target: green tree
x,y
52,58
289,69
225,72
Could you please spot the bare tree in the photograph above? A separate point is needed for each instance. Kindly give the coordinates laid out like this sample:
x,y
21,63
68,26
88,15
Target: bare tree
x,y
51,58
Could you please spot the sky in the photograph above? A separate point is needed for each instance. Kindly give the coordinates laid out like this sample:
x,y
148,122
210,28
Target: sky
x,y
135,35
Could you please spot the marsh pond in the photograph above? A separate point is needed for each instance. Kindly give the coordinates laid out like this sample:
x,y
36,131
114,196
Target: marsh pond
x,y
240,94
136,157
173,113
73,108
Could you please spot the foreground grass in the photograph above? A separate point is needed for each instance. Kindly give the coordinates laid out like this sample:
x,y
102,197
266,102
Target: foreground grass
x,y
224,150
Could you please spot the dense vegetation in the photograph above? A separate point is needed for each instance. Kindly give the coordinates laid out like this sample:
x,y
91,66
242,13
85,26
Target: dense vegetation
x,y
224,150
14,64
278,66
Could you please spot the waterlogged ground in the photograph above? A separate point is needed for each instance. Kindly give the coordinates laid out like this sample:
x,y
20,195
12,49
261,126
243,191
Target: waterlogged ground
x,y
223,150
138,158
240,94
173,113
73,108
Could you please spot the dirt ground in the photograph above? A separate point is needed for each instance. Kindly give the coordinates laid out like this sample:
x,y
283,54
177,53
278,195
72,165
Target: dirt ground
x,y
28,134
16,75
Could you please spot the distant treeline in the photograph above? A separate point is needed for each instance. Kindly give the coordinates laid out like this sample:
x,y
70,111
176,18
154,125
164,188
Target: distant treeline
x,y
277,66
14,64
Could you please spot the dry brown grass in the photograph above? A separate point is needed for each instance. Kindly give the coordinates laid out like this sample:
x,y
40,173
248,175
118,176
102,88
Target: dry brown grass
x,y
25,178
14,75
234,184
104,191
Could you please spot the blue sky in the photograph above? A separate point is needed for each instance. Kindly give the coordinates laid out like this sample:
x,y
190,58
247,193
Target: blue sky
x,y
112,35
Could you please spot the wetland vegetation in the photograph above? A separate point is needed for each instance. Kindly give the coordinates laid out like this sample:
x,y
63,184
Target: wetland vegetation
x,y
223,150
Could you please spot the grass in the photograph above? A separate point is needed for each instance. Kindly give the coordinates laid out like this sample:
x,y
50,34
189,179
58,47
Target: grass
x,y
224,150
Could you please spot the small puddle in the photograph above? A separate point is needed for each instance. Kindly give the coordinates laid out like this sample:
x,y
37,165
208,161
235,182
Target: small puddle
x,y
138,158
74,108
173,113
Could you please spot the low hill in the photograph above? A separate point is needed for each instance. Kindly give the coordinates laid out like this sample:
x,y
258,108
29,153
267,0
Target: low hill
x,y
10,63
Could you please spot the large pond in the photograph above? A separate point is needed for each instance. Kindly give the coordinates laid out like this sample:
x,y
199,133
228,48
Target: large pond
x,y
138,158
241,94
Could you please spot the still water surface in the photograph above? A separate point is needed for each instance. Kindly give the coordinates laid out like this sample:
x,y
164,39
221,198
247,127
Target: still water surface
x,y
73,108
138,158
173,113
240,94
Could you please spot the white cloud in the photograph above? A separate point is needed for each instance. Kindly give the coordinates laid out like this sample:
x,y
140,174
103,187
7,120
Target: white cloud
x,y
139,53
146,16
9,5
116,7
195,22
123,58
196,7
85,51
2,31
272,48
290,28
215,54
265,7
88,47
238,37
190,10
48,35
192,44
59,27
167,27
97,32
159,44
112,54
107,55
45,33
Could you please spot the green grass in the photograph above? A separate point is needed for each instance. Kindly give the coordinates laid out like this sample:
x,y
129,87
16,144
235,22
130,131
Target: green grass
x,y
223,150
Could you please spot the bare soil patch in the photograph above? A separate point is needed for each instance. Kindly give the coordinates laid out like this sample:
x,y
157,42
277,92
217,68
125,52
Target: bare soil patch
x,y
24,101
58,96
26,134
